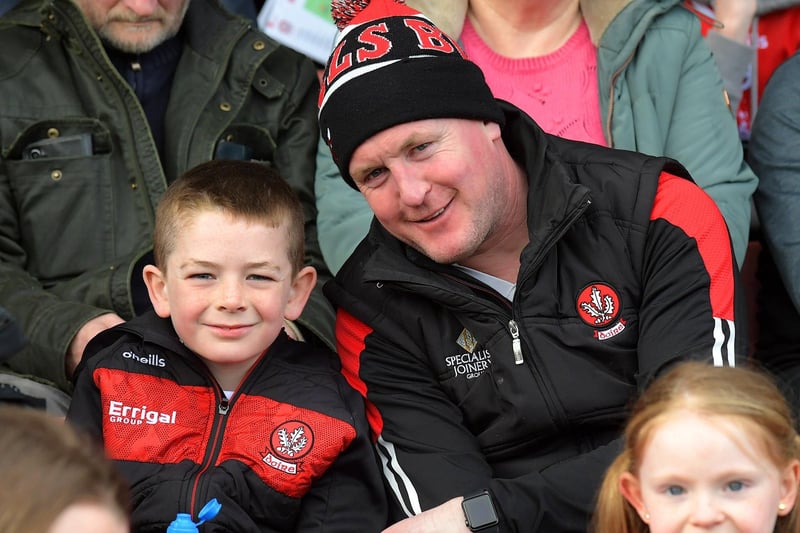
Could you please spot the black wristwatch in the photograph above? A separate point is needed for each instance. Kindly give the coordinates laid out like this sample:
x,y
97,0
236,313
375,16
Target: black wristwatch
x,y
479,512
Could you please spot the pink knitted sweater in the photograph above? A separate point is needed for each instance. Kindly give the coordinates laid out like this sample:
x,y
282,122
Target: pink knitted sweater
x,y
558,90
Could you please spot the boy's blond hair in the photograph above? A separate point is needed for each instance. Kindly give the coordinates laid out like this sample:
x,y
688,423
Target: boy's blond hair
x,y
251,191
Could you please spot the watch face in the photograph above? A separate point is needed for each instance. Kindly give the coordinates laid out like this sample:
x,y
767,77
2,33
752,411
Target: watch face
x,y
480,512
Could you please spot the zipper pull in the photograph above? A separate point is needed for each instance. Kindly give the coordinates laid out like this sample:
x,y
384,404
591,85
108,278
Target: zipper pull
x,y
223,406
516,344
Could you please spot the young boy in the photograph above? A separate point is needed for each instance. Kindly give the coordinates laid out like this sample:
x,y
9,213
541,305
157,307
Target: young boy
x,y
207,397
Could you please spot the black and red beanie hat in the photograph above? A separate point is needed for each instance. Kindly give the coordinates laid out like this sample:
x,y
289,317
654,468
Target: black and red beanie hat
x,y
392,65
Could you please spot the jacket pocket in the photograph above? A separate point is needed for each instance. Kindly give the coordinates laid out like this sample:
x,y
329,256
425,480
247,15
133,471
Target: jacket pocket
x,y
60,181
246,142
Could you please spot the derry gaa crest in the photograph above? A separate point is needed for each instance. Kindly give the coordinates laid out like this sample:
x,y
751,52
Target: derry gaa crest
x,y
289,442
598,305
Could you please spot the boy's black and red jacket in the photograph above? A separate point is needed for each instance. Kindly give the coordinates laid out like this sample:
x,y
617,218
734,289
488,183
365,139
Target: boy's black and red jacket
x,y
629,269
290,450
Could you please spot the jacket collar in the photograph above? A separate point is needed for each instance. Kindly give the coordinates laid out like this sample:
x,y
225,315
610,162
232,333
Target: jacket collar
x,y
209,28
554,198
152,328
27,13
598,14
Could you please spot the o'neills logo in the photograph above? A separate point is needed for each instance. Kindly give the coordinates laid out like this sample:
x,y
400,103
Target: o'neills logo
x,y
149,359
289,442
120,413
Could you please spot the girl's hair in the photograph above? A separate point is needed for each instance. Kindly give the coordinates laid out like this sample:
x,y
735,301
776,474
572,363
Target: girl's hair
x,y
45,467
747,396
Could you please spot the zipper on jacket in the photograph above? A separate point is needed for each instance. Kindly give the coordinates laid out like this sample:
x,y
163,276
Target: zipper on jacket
x,y
545,386
614,77
513,327
516,344
224,405
215,443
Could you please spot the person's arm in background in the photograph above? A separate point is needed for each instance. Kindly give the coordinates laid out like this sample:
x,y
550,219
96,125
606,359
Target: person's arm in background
x,y
721,169
694,125
57,327
775,156
87,333
728,41
11,338
343,216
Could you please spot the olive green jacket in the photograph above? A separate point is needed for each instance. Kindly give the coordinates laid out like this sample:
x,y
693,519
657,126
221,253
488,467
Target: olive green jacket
x,y
73,225
660,93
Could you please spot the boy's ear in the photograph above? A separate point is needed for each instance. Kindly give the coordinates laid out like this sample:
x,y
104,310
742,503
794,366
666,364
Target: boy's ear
x,y
157,289
789,482
299,292
631,490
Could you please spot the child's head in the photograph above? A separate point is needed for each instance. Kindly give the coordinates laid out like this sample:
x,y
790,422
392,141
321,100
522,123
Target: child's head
x,y
228,247
705,448
244,190
55,480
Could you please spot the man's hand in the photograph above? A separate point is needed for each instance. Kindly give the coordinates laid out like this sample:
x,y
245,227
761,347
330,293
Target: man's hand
x,y
446,518
84,335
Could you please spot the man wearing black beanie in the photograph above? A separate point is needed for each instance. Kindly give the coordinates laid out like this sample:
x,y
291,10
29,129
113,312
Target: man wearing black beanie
x,y
515,291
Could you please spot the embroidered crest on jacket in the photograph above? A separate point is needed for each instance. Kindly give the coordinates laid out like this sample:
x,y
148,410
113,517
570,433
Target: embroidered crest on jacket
x,y
598,305
289,442
472,362
467,341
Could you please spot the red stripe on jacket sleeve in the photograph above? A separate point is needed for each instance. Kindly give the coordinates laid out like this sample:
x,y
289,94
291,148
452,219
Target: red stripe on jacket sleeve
x,y
350,343
685,205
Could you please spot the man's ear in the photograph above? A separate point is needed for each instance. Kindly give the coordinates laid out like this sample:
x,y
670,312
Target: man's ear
x,y
631,490
157,289
299,292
